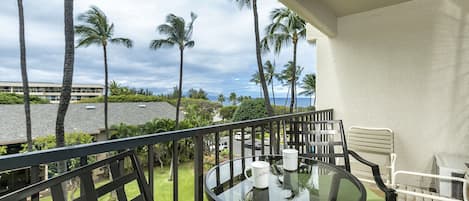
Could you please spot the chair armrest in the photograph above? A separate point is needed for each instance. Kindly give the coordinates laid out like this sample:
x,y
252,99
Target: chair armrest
x,y
389,192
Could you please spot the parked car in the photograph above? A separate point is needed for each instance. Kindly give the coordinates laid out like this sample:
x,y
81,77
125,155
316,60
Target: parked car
x,y
257,145
238,135
222,146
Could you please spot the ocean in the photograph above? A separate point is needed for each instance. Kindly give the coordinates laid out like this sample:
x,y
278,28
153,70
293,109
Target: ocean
x,y
302,102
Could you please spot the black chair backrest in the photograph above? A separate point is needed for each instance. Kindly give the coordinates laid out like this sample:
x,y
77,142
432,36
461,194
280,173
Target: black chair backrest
x,y
90,193
321,140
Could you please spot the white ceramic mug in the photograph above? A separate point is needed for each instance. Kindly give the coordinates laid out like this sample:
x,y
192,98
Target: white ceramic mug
x,y
290,159
260,174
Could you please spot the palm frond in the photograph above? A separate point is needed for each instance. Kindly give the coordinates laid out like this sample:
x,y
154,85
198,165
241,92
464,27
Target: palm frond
x,y
189,44
89,40
124,41
157,44
243,3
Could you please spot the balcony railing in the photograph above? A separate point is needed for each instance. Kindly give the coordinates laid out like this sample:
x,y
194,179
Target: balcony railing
x,y
276,126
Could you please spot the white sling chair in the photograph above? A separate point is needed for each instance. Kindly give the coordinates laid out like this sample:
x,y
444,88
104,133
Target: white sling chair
x,y
376,144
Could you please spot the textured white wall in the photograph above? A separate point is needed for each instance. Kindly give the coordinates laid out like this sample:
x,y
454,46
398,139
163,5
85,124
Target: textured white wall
x,y
405,67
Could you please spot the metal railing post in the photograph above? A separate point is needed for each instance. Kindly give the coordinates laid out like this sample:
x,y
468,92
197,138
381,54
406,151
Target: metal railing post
x,y
199,169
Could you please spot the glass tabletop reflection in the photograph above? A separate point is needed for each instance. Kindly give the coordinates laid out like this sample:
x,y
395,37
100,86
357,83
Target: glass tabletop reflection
x,y
313,180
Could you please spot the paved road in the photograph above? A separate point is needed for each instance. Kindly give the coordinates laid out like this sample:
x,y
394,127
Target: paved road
x,y
237,147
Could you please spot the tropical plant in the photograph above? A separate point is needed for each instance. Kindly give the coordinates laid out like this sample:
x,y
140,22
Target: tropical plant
x,y
270,75
197,94
178,33
248,4
287,75
250,109
97,30
24,75
11,98
227,112
67,79
309,87
286,28
233,98
4,150
221,98
255,78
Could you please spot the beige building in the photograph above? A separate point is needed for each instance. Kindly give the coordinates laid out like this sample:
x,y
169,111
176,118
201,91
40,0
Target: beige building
x,y
51,91
400,64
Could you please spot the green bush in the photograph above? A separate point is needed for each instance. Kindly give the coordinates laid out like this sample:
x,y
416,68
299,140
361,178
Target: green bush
x,y
250,109
227,112
3,150
9,98
48,142
125,98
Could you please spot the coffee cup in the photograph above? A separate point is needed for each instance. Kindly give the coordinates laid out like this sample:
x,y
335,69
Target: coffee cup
x,y
260,174
290,159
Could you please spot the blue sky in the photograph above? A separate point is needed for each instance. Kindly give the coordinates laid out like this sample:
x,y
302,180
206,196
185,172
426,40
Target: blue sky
x,y
222,60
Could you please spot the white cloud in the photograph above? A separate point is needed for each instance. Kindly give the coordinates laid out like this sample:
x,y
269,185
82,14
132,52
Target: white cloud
x,y
222,60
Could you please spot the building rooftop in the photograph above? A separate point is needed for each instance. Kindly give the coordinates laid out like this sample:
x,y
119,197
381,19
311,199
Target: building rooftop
x,y
88,118
47,84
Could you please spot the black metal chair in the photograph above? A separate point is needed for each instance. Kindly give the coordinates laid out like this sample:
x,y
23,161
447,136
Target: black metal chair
x,y
89,192
325,141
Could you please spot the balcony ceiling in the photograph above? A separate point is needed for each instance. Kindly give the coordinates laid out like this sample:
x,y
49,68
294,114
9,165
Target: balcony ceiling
x,y
348,7
323,14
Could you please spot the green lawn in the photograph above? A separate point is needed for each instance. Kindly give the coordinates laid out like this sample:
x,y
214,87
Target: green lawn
x,y
163,187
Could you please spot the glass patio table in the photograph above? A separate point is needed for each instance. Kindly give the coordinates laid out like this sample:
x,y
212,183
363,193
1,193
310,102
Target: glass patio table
x,y
313,180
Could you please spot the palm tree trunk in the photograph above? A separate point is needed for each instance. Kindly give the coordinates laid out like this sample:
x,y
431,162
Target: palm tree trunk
x,y
106,83
66,80
24,75
293,83
314,102
273,93
27,107
268,107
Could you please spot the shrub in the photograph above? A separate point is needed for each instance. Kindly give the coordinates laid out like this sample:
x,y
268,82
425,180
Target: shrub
x,y
250,109
9,98
227,112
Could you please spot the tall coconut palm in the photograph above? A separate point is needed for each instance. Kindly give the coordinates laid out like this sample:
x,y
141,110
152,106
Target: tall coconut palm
x,y
270,75
24,75
221,98
233,98
248,4
67,79
286,28
289,74
179,34
96,30
255,78
309,87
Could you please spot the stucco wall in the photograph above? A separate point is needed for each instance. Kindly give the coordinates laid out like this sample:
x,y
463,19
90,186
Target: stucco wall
x,y
405,67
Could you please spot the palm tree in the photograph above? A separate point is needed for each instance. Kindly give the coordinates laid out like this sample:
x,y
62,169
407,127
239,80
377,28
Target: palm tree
x,y
66,80
287,75
178,33
248,4
255,78
221,98
24,75
286,28
233,98
270,75
96,30
309,87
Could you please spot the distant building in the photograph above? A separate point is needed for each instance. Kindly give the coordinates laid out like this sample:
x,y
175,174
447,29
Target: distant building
x,y
51,91
88,118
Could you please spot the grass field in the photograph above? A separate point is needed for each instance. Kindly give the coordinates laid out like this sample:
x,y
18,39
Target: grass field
x,y
163,187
